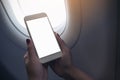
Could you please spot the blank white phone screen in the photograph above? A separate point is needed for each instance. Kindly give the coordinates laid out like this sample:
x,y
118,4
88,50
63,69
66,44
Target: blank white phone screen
x,y
43,37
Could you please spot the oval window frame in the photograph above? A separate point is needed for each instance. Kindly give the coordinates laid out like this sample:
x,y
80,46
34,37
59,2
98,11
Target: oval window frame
x,y
70,35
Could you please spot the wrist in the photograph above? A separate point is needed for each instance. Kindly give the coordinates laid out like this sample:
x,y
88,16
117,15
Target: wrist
x,y
69,70
68,73
36,78
74,73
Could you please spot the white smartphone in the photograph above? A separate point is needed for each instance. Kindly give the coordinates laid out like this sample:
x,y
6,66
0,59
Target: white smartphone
x,y
42,35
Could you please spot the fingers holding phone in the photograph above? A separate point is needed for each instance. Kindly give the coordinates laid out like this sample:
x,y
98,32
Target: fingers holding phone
x,y
35,69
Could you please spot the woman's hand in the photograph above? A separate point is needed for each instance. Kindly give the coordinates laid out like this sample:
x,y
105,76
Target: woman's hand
x,y
35,70
62,65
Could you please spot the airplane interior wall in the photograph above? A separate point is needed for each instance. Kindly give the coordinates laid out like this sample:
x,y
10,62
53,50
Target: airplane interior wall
x,y
97,43
94,53
118,43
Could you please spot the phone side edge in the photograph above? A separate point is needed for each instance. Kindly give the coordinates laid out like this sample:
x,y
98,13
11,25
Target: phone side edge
x,y
51,57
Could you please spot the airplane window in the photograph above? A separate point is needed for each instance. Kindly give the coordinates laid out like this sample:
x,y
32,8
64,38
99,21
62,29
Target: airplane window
x,y
65,17
55,10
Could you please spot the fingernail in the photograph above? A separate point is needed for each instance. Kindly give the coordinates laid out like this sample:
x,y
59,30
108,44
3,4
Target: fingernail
x,y
58,34
55,32
27,41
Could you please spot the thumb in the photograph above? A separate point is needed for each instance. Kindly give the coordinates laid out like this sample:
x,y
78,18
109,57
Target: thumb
x,y
60,41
